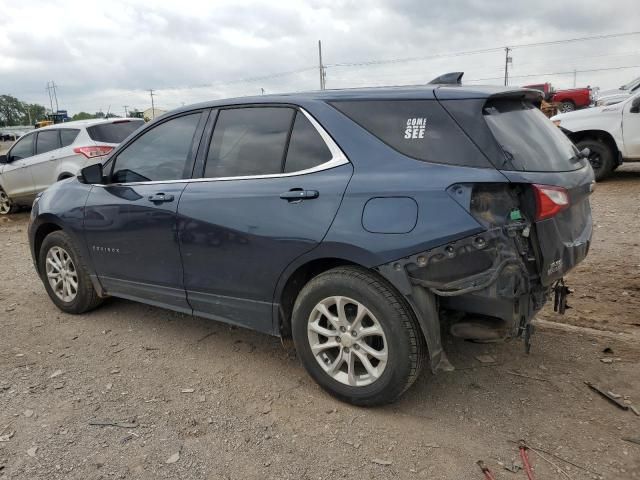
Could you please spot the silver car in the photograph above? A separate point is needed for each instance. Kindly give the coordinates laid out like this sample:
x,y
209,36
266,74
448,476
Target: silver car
x,y
47,155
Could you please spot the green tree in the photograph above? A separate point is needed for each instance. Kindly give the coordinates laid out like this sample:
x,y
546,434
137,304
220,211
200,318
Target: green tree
x,y
11,110
82,116
33,113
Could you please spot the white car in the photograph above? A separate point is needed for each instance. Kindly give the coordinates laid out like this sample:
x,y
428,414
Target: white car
x,y
47,155
611,133
617,95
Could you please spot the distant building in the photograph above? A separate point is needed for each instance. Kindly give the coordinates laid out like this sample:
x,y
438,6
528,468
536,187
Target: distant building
x,y
151,113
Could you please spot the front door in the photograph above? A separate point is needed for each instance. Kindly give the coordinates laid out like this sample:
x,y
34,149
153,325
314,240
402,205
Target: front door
x,y
266,197
130,223
631,128
16,179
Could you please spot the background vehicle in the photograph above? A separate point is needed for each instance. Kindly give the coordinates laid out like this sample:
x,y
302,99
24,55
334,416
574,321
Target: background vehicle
x,y
611,133
49,154
567,100
609,97
352,221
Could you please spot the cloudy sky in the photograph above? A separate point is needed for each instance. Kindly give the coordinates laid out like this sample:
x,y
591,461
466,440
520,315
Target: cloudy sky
x,y
107,54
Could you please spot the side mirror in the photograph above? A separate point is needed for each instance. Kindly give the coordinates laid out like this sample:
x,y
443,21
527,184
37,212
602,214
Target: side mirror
x,y
4,159
92,174
635,105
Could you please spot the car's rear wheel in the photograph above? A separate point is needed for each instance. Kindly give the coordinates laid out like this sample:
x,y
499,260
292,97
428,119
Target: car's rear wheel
x,y
601,157
357,337
6,204
64,275
567,106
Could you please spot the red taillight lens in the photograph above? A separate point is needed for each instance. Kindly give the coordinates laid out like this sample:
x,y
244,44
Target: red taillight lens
x,y
95,151
550,200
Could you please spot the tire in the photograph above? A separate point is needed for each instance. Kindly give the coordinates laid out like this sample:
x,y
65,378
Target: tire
x,y
58,245
601,157
399,350
567,106
6,205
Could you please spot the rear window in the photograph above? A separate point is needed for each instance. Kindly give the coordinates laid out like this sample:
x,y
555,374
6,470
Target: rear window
x,y
529,140
420,129
113,132
68,136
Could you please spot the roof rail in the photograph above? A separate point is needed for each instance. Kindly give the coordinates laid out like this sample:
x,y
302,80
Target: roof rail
x,y
451,78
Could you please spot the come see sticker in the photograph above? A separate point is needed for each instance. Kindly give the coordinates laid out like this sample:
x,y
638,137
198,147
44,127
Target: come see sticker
x,y
415,127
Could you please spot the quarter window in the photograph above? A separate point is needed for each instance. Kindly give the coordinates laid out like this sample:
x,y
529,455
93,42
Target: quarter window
x,y
306,147
68,136
23,148
249,141
47,140
159,154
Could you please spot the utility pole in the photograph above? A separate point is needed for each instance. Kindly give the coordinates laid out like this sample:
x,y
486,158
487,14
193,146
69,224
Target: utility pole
x,y
323,73
574,77
262,90
55,95
50,97
153,108
126,113
507,61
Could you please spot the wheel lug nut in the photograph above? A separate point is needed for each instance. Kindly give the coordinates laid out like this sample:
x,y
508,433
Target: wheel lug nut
x,y
342,329
356,346
338,339
346,349
354,333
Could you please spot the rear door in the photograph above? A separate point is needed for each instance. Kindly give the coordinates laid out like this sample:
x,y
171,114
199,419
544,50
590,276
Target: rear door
x,y
130,223
270,188
529,150
43,163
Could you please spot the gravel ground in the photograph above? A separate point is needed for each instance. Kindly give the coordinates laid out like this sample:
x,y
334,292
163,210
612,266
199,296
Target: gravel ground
x,y
191,398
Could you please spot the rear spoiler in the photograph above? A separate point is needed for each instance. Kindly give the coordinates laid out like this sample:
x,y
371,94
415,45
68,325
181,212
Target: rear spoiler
x,y
451,78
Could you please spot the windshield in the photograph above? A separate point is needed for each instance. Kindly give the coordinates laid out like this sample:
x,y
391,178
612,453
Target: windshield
x,y
630,86
530,141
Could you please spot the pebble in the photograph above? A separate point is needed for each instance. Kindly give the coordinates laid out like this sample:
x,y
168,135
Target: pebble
x,y
173,458
55,374
382,462
28,413
32,452
188,390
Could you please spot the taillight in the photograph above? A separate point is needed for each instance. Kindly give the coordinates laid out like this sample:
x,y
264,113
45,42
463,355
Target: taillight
x,y
94,151
550,200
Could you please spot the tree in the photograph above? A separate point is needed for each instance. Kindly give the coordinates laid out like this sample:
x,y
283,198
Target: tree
x,y
82,116
33,113
11,110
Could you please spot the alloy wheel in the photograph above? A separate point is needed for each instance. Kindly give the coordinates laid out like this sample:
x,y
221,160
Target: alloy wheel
x,y
62,274
347,341
5,203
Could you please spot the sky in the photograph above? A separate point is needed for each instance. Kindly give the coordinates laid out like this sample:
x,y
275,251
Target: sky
x,y
103,55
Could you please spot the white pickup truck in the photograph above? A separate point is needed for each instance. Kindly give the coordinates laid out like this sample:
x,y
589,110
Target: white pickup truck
x,y
611,133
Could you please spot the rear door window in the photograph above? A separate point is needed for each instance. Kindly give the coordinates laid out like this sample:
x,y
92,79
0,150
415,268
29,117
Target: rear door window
x,y
307,149
529,140
114,132
47,140
68,136
249,141
420,129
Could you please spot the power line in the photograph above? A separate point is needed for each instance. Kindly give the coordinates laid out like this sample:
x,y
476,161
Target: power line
x,y
556,73
479,51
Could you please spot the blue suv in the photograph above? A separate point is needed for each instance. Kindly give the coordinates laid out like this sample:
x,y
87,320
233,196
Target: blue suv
x,y
361,223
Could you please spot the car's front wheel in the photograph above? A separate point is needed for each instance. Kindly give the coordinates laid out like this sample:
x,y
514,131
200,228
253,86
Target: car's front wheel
x,y
357,337
601,157
6,204
64,275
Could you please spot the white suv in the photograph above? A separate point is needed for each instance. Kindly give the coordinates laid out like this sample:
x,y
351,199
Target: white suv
x,y
611,133
50,154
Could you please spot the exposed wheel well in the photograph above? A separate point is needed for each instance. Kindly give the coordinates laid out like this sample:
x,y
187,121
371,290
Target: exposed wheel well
x,y
294,284
43,230
601,135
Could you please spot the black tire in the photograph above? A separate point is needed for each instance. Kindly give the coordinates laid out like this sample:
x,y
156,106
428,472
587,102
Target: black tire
x,y
601,157
567,106
86,297
405,343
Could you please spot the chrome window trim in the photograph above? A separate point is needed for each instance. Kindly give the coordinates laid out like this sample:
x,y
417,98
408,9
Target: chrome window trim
x,y
337,158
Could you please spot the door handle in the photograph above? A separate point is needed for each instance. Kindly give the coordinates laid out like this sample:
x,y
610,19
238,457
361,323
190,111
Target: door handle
x,y
297,194
160,198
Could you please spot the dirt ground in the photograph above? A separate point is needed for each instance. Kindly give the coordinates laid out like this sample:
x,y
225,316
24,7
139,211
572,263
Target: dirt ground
x,y
191,398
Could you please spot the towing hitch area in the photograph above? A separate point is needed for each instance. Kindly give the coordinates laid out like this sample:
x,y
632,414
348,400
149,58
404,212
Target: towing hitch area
x,y
560,294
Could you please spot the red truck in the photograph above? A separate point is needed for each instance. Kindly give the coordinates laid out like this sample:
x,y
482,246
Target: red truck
x,y
567,100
